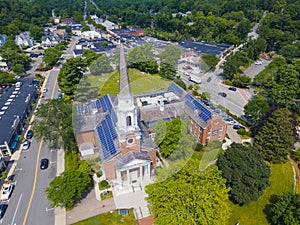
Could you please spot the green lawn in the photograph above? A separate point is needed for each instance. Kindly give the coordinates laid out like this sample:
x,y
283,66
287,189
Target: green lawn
x,y
252,214
140,83
106,196
109,218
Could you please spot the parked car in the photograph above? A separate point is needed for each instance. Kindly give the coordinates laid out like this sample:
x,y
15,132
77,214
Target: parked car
x,y
44,90
3,208
208,79
6,191
237,126
232,88
223,94
44,164
38,69
59,96
26,144
206,102
29,134
258,62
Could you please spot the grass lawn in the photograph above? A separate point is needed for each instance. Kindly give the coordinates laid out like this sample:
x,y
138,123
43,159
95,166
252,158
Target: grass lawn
x,y
252,214
109,218
140,83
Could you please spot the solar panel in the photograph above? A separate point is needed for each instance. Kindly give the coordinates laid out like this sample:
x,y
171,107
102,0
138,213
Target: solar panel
x,y
106,139
189,97
175,88
190,105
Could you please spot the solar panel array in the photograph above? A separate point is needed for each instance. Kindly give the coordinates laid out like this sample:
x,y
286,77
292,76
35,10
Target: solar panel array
x,y
106,105
194,104
82,109
175,88
107,133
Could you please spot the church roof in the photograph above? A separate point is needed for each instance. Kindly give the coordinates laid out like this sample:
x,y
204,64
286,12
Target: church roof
x,y
129,157
125,90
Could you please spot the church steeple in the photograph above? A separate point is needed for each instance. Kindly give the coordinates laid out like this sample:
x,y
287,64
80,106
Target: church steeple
x,y
127,125
125,90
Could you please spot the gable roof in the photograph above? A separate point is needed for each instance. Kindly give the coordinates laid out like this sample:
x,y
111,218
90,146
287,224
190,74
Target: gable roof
x,y
132,158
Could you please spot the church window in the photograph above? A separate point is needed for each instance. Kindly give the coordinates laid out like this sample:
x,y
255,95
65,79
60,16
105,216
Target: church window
x,y
128,121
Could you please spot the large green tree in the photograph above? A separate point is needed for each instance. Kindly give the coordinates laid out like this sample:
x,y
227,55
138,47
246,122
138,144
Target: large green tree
x,y
65,189
284,209
101,65
54,124
245,172
275,139
173,139
170,55
190,197
256,108
70,75
210,61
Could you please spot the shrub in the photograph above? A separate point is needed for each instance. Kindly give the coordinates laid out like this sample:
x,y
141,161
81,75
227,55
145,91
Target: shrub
x,y
103,185
199,147
227,82
4,175
99,173
241,131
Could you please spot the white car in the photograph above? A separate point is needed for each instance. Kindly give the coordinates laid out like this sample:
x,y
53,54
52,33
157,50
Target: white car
x,y
26,145
6,191
258,62
45,90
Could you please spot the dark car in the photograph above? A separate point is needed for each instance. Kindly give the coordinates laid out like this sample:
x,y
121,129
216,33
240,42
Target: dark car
x,y
232,88
236,127
206,102
29,134
44,163
3,208
208,79
223,94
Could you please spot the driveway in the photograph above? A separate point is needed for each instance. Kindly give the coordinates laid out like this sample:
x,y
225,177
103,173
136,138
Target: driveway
x,y
89,207
233,135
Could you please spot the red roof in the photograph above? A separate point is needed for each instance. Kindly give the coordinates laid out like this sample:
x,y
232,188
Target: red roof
x,y
146,221
68,20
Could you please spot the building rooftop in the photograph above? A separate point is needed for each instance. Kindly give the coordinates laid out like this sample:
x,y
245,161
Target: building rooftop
x,y
13,103
204,47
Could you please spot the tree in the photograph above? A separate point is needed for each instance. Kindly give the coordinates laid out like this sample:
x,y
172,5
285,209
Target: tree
x,y
245,172
18,68
6,78
70,75
241,81
170,55
54,123
51,57
173,139
89,56
210,60
201,199
101,65
275,139
256,108
167,71
65,189
284,209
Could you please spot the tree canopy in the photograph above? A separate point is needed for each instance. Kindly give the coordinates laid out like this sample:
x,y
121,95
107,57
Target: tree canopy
x,y
275,139
245,172
256,108
284,209
101,65
54,123
173,139
65,189
190,197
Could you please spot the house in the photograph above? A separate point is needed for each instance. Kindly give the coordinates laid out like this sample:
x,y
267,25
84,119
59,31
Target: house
x,y
108,24
127,33
50,41
76,29
3,38
62,33
3,64
67,21
24,40
16,105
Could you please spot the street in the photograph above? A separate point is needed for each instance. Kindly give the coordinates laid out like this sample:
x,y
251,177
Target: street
x,y
28,203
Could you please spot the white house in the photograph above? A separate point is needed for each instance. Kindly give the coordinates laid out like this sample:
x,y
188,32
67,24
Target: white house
x,y
24,39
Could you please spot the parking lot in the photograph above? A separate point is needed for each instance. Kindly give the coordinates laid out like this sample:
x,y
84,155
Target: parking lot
x,y
253,70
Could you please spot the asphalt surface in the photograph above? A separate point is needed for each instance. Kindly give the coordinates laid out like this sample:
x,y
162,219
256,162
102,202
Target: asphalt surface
x,y
28,203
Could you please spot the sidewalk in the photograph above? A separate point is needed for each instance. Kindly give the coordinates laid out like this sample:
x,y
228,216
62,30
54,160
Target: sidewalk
x,y
60,213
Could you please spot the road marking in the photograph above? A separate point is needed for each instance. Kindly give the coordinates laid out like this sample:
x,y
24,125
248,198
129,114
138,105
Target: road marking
x,y
18,169
13,219
36,167
52,162
53,150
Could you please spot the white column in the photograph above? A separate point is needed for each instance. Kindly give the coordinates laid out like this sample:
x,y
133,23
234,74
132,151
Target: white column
x,y
119,177
141,178
149,172
128,177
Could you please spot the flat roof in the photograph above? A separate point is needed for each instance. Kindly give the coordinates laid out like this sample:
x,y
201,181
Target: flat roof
x,y
16,107
204,47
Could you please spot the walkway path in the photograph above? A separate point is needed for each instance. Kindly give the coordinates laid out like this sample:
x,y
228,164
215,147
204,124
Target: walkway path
x,y
89,207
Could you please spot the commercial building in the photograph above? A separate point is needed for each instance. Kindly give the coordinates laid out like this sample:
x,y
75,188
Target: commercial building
x,y
15,106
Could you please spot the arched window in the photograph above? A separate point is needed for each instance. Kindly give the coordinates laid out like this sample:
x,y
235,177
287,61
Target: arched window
x,y
128,121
